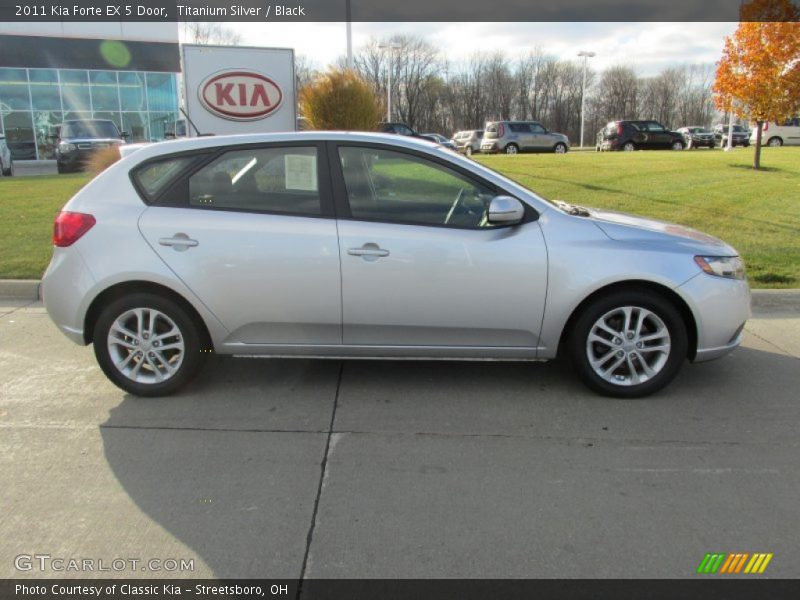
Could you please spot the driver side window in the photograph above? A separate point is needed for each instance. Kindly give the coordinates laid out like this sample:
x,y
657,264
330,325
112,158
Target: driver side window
x,y
394,187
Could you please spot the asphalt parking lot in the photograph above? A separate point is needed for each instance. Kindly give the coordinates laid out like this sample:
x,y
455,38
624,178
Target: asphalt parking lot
x,y
398,469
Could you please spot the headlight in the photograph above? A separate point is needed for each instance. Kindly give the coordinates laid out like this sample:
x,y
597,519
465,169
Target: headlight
x,y
66,147
731,267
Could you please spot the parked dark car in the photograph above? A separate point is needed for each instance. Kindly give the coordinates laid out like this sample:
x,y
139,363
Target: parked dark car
x,y
638,135
398,129
741,136
76,141
698,137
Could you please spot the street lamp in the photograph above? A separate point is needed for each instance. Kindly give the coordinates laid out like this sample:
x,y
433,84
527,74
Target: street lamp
x,y
586,55
389,47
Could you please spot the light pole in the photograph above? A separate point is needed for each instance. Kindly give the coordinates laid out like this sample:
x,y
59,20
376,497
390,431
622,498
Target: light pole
x,y
586,56
389,47
349,37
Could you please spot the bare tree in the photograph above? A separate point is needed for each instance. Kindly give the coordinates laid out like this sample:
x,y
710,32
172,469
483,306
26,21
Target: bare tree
x,y
196,32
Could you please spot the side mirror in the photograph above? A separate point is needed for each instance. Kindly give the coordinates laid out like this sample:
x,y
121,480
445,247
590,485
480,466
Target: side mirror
x,y
124,135
505,210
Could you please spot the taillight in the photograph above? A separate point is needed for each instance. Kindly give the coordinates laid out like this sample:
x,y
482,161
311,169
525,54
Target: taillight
x,y
619,129
501,130
766,126
70,227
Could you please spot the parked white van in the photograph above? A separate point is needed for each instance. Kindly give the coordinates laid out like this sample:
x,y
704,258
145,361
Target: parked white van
x,y
779,134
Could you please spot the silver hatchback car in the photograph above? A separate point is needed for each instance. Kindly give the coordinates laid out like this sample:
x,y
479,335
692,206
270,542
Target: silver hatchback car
x,y
351,245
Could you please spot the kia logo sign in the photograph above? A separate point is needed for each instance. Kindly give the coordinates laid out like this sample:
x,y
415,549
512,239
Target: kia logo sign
x,y
240,95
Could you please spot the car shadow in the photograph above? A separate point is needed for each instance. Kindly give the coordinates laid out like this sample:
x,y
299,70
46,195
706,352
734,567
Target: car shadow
x,y
236,481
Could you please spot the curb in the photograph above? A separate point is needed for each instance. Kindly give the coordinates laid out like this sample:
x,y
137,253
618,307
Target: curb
x,y
19,289
770,301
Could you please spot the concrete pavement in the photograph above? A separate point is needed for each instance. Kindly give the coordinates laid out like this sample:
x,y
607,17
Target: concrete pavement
x,y
398,469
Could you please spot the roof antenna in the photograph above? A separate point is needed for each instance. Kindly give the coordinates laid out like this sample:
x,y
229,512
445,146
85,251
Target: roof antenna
x,y
183,112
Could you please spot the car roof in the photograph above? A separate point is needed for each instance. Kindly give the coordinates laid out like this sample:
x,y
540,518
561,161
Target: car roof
x,y
214,141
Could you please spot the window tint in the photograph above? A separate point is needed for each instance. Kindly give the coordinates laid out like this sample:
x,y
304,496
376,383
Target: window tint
x,y
536,128
392,186
282,180
653,126
519,127
155,176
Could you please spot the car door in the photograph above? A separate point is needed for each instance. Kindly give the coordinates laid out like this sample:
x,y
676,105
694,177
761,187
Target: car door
x,y
251,232
423,273
521,134
658,136
542,140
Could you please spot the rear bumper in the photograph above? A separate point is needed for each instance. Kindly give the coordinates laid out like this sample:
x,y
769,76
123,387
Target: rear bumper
x,y
64,286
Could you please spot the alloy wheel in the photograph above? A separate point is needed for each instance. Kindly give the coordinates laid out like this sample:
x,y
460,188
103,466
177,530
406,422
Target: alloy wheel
x,y
146,345
628,345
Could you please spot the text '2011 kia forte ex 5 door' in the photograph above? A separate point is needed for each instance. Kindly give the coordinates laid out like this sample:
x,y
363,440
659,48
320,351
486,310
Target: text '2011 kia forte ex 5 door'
x,y
348,245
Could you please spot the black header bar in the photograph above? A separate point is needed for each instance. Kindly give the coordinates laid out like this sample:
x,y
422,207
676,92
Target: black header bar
x,y
372,10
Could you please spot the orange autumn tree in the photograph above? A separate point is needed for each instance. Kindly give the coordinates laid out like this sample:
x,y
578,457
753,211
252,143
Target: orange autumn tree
x,y
758,77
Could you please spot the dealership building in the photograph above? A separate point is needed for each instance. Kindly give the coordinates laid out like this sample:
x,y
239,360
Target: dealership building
x,y
51,72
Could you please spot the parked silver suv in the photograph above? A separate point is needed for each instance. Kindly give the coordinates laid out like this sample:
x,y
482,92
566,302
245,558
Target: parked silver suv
x,y
6,162
468,141
512,137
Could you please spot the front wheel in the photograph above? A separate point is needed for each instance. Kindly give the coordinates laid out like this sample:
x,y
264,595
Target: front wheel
x,y
677,145
628,344
560,148
775,142
9,171
468,151
147,345
512,149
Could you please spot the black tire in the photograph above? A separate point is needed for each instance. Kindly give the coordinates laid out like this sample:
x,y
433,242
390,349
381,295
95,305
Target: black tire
x,y
190,334
560,148
628,147
61,169
9,172
775,142
511,149
468,151
678,145
577,341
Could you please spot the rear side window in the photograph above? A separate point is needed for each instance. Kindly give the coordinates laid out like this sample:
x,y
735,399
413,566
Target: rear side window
x,y
276,180
154,177
519,127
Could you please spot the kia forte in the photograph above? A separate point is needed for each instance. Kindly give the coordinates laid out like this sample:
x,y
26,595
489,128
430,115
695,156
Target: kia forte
x,y
356,245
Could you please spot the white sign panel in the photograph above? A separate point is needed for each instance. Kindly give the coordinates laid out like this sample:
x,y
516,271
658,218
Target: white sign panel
x,y
235,89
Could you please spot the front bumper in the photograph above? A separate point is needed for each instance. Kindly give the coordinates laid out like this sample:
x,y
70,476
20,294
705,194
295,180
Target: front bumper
x,y
721,308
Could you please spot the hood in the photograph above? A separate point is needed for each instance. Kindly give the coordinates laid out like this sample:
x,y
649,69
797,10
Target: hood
x,y
629,228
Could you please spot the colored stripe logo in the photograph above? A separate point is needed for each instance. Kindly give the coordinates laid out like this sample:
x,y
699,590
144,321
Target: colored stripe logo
x,y
733,564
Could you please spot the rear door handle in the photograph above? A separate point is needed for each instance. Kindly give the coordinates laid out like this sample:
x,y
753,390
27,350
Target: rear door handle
x,y
179,242
368,251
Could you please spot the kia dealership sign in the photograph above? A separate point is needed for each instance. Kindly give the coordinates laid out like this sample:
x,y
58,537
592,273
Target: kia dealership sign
x,y
240,95
231,89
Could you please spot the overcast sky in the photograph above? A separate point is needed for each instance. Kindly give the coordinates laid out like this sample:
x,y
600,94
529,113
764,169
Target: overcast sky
x,y
648,47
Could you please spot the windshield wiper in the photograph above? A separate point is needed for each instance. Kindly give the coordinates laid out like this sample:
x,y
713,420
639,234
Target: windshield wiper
x,y
573,209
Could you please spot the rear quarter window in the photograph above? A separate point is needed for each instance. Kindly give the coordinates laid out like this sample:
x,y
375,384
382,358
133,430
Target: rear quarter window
x,y
154,177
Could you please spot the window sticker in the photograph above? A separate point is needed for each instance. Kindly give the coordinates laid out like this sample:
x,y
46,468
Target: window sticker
x,y
301,172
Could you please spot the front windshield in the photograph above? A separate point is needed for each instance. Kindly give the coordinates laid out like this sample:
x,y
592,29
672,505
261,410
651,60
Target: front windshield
x,y
89,129
700,130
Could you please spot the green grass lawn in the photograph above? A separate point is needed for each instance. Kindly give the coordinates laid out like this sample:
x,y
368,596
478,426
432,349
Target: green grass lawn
x,y
714,191
758,212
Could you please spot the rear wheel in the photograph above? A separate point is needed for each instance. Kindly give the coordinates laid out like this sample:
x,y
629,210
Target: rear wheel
x,y
512,149
8,171
775,142
147,345
628,344
629,147
468,151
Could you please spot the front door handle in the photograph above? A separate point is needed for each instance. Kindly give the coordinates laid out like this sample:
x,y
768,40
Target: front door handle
x,y
179,242
368,252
